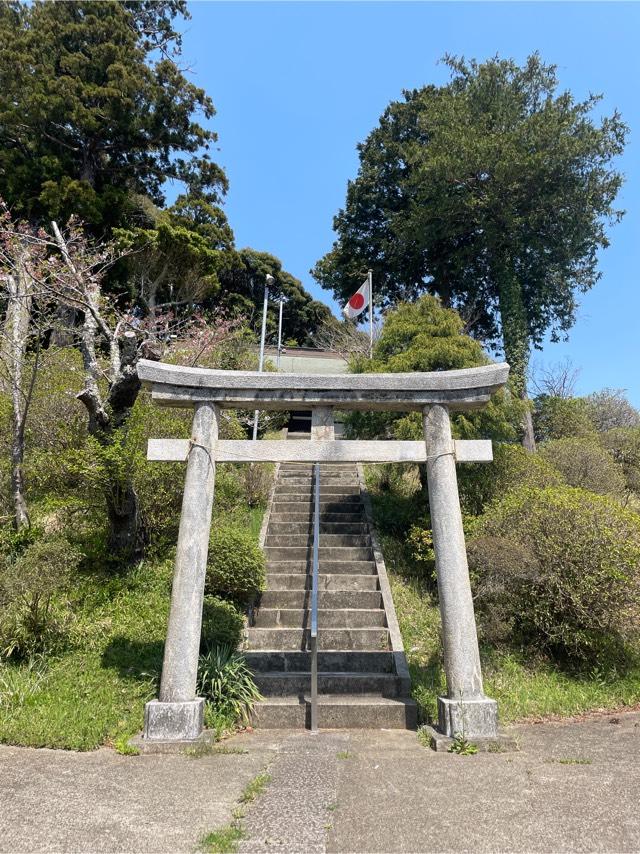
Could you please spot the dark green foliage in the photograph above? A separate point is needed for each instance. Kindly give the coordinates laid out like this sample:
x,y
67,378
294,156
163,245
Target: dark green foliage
x,y
492,191
623,443
512,466
561,417
236,566
426,336
585,464
35,572
225,680
92,116
222,624
563,565
242,281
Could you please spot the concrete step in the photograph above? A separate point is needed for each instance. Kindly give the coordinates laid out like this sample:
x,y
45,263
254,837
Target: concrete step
x,y
325,476
347,504
347,618
298,639
325,567
295,661
336,711
302,491
305,541
278,684
326,599
278,529
335,583
307,484
324,553
297,517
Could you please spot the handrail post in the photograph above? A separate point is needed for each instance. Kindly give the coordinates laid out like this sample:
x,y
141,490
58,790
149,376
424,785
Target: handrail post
x,y
314,599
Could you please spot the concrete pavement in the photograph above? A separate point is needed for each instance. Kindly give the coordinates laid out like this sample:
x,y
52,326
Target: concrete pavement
x,y
574,786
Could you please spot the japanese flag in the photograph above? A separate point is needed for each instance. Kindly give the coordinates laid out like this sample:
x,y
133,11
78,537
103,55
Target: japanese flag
x,y
359,301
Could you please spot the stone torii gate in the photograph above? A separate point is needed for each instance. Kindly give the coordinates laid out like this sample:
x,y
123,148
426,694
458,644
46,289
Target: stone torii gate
x,y
178,714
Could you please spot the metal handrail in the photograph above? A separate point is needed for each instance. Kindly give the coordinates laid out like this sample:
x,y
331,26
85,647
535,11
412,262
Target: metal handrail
x,y
314,599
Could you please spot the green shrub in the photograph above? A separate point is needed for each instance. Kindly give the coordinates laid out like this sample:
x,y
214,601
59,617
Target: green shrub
x,y
226,682
222,624
236,566
512,467
623,443
32,618
585,464
561,418
565,564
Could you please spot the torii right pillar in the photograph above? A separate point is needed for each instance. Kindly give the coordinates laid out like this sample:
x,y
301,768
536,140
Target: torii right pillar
x,y
465,710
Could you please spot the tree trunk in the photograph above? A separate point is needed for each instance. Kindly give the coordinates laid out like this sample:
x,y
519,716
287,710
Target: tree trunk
x,y
15,338
127,534
20,513
515,341
65,320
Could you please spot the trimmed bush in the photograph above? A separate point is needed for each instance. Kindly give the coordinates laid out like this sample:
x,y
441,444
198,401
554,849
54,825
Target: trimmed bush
x,y
565,563
512,467
222,624
236,566
585,464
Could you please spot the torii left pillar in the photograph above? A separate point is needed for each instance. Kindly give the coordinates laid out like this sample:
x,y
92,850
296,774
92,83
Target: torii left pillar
x,y
178,714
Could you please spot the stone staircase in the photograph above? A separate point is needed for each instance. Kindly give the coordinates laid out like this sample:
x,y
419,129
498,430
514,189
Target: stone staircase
x,y
362,676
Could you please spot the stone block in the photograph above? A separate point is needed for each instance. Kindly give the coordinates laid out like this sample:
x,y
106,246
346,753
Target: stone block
x,y
473,718
173,721
501,743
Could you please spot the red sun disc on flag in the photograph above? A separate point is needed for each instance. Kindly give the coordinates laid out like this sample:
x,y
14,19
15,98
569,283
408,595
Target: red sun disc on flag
x,y
356,301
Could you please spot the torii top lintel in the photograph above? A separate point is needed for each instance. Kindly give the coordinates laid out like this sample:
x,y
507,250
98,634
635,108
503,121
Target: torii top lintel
x,y
176,385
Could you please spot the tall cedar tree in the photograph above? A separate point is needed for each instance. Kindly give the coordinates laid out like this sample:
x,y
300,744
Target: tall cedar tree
x,y
95,112
492,192
95,117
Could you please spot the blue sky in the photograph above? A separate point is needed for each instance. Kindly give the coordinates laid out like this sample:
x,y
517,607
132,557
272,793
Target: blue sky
x,y
298,84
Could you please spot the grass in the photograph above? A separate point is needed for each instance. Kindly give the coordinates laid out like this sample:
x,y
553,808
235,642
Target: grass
x,y
225,839
344,754
526,685
211,749
255,788
93,693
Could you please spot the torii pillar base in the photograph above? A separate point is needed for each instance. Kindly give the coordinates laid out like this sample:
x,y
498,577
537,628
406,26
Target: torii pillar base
x,y
476,718
174,721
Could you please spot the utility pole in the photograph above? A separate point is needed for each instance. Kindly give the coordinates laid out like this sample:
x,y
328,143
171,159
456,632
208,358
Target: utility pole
x,y
269,280
370,274
282,301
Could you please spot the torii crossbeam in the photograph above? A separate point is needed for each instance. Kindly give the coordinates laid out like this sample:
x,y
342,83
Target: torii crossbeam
x,y
178,714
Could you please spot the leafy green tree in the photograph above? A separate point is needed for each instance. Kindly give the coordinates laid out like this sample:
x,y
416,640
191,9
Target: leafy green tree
x,y
242,282
177,254
95,112
492,191
561,418
426,336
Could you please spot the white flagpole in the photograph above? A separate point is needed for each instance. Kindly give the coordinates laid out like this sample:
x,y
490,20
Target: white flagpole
x,y
265,306
371,314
